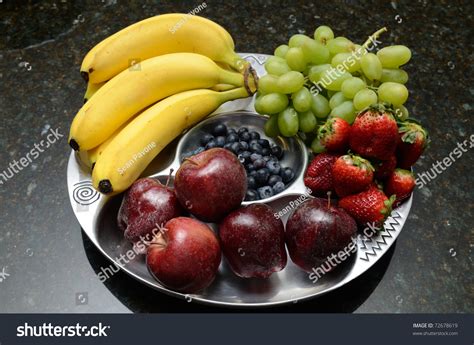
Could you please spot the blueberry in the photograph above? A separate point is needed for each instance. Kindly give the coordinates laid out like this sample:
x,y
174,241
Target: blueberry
x,y
255,156
235,147
244,145
254,135
206,138
227,146
267,158
259,163
252,172
220,141
262,176
199,150
266,151
251,183
255,147
250,167
245,136
251,195
242,130
244,157
231,131
287,174
278,187
211,144
273,167
264,143
232,138
219,129
277,151
273,179
265,192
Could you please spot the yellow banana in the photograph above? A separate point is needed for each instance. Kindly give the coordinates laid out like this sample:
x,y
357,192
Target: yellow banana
x,y
130,152
91,90
133,90
159,35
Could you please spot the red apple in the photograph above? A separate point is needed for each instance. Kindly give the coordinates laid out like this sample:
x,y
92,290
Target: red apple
x,y
317,230
185,255
211,184
253,241
145,206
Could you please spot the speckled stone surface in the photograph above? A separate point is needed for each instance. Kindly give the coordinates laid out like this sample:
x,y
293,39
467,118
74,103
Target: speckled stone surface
x,y
46,260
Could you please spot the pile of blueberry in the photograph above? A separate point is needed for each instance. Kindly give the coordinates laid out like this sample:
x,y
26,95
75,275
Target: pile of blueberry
x,y
261,159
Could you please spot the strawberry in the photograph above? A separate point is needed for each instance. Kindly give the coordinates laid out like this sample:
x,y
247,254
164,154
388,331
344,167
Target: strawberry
x,y
374,133
334,134
384,169
413,139
368,207
401,183
318,177
351,174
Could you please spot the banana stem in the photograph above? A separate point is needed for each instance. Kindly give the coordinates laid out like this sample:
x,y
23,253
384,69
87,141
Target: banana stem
x,y
374,36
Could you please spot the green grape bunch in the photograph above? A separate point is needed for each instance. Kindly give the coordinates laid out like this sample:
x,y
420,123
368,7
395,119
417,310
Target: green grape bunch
x,y
311,79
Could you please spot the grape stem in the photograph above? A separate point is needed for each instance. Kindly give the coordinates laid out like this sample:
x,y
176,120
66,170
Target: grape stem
x,y
374,36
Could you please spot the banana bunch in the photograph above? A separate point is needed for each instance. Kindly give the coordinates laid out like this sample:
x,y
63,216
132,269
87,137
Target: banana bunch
x,y
148,83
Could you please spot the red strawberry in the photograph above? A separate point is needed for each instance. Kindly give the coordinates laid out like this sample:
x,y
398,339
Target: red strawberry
x,y
401,183
318,177
368,207
384,169
413,140
351,174
374,134
334,134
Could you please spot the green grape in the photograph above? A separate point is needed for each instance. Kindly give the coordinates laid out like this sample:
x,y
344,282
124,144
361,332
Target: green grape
x,y
345,111
395,75
268,84
347,61
320,106
351,86
257,104
281,50
340,45
364,98
323,34
298,40
317,146
271,127
306,121
359,51
290,82
394,56
275,58
393,93
301,100
337,99
401,112
277,67
288,122
315,52
295,59
330,93
371,66
332,79
273,103
315,72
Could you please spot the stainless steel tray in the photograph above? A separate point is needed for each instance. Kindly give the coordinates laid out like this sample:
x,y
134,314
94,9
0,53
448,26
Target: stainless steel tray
x,y
97,216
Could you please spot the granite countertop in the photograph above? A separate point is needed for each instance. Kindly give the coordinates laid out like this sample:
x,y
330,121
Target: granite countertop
x,y
47,264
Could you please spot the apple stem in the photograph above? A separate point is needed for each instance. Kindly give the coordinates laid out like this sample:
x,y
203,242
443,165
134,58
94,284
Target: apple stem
x,y
329,199
169,178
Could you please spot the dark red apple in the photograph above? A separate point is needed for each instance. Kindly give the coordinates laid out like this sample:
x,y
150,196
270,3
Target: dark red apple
x,y
185,255
147,205
211,184
253,241
317,230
